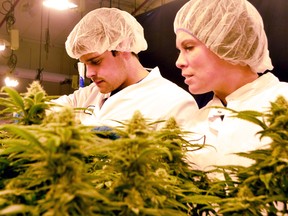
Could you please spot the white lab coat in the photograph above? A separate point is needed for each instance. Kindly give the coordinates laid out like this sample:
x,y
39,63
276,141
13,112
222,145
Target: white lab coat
x,y
155,97
231,134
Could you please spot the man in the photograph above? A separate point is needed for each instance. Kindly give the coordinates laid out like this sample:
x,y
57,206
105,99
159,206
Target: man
x,y
107,41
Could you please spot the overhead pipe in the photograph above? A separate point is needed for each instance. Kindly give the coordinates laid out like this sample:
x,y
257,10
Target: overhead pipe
x,y
142,5
11,9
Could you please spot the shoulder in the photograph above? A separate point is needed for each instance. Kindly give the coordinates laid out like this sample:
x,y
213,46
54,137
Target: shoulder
x,y
274,85
86,90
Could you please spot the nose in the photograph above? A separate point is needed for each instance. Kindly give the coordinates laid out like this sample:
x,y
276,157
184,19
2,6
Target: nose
x,y
90,73
180,62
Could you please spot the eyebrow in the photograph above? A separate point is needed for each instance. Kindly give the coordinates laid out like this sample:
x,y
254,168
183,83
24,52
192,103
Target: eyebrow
x,y
183,43
92,59
192,41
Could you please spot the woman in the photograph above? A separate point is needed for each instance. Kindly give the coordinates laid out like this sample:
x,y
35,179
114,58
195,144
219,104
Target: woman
x,y
223,48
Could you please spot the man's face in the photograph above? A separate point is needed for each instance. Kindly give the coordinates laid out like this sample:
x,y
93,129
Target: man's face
x,y
106,70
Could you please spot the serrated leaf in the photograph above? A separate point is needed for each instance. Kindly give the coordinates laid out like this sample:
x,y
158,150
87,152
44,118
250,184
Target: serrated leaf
x,y
16,98
13,209
23,133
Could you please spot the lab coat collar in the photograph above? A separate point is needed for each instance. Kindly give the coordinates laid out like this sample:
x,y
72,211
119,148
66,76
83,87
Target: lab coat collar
x,y
250,89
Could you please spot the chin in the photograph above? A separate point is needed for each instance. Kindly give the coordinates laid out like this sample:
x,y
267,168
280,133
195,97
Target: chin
x,y
193,90
196,91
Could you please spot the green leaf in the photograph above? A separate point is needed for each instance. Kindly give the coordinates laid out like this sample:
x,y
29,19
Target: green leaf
x,y
22,132
14,209
251,116
39,97
202,199
15,96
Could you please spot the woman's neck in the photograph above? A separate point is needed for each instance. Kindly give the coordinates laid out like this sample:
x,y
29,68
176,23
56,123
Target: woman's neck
x,y
235,79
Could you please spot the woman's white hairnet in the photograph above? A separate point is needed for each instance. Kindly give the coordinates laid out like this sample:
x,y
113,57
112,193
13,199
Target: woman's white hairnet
x,y
106,29
232,29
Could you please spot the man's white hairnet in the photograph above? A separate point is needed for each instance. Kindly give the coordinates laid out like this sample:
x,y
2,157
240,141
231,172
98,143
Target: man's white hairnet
x,y
232,29
106,29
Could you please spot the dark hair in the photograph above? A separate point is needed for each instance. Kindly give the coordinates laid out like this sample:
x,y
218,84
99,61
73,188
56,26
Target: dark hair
x,y
114,52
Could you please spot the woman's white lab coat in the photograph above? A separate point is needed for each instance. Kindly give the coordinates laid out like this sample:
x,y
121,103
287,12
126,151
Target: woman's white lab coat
x,y
228,135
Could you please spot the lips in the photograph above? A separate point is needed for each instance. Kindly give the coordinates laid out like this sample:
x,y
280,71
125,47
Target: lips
x,y
187,75
98,82
188,79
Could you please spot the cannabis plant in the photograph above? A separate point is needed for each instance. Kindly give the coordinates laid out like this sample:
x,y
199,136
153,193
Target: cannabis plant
x,y
63,168
25,109
51,176
262,188
50,164
144,173
55,166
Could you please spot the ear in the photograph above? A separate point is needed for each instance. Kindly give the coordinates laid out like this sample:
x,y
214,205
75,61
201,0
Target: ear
x,y
126,55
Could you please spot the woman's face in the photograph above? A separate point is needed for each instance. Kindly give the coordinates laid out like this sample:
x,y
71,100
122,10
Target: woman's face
x,y
203,70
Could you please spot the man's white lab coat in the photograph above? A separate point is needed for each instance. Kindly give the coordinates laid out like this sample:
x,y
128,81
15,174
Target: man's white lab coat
x,y
155,97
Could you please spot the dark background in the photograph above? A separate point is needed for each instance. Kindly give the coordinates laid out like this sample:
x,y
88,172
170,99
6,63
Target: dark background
x,y
161,52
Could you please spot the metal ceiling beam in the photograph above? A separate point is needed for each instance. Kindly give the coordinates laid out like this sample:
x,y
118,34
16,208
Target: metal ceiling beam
x,y
140,7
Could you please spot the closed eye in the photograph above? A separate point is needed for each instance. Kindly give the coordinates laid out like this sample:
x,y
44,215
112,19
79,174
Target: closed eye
x,y
189,48
95,62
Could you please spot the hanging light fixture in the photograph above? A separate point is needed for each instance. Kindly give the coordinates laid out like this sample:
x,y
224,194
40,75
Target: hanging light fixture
x,y
3,44
59,4
11,81
13,44
2,47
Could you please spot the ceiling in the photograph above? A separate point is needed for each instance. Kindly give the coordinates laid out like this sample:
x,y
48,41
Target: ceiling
x,y
36,22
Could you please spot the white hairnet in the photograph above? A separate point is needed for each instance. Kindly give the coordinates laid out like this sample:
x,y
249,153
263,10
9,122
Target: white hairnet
x,y
232,29
106,29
